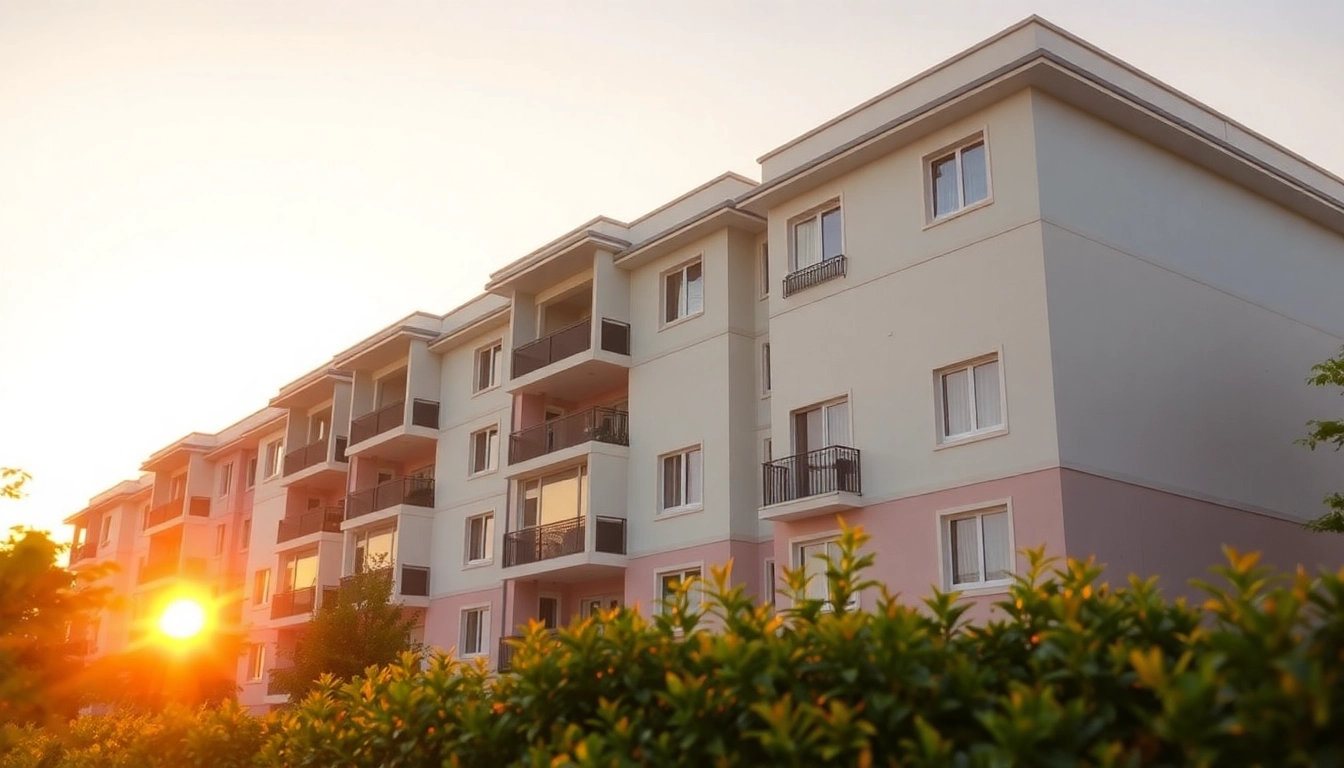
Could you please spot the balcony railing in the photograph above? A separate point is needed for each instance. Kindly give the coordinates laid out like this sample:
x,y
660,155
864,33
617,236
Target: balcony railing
x,y
504,661
85,551
424,413
825,470
326,519
566,537
198,507
817,273
415,491
414,581
605,425
314,453
293,602
570,340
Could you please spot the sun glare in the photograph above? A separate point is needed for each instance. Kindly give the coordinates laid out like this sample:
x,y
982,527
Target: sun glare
x,y
184,618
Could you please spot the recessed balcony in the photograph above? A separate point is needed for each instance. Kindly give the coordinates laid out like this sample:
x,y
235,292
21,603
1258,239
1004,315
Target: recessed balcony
x,y
396,430
567,550
409,491
818,482
570,363
85,551
320,463
199,506
603,425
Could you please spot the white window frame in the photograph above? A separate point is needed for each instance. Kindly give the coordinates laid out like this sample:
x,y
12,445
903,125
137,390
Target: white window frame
x,y
940,401
275,450
251,474
696,594
683,296
495,351
945,554
683,480
956,149
491,453
796,547
815,214
488,544
483,625
225,480
766,378
221,538
105,532
256,662
763,270
261,584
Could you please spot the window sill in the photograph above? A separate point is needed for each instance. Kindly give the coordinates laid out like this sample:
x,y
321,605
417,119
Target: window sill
x,y
981,589
668,514
482,473
680,320
958,214
477,564
974,437
485,391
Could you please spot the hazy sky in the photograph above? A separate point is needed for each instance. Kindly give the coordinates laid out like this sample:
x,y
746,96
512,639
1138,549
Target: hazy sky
x,y
201,200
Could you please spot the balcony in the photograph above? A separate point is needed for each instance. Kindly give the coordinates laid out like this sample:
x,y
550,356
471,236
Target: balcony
x,y
414,581
319,463
411,491
566,546
386,428
818,482
199,506
566,361
85,551
815,274
323,520
604,425
168,567
504,660
297,602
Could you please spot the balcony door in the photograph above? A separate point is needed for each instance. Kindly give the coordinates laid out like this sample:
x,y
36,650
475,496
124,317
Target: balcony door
x,y
390,389
548,610
553,499
815,428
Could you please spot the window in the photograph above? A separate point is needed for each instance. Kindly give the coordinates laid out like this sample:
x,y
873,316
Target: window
x,y
225,480
669,582
261,587
374,549
300,571
105,536
177,487
245,536
256,661
484,450
548,610
768,586
319,424
475,631
763,267
768,450
488,362
593,606
977,548
220,531
275,451
821,426
252,472
480,539
814,558
959,178
554,498
970,400
765,367
683,291
682,481
817,237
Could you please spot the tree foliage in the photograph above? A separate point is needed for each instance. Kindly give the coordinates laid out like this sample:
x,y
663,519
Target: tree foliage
x,y
359,629
1329,433
39,602
12,481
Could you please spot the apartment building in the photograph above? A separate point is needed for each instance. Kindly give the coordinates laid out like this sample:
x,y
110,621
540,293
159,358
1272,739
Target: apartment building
x,y
1030,297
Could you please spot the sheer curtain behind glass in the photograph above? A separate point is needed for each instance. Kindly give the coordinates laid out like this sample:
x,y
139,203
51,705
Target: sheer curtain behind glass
x,y
806,244
965,547
945,185
956,403
998,546
974,174
988,408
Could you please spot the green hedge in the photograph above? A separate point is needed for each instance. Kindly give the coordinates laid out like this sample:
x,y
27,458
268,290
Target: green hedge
x,y
1075,674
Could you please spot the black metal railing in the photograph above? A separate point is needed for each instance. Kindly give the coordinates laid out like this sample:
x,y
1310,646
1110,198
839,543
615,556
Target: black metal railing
x,y
817,273
414,581
606,425
570,340
326,519
504,661
376,423
614,336
293,602
165,512
415,491
425,413
273,688
566,537
85,551
825,470
300,459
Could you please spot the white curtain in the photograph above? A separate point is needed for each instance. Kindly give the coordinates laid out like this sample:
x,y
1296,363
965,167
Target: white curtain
x,y
956,403
672,297
974,174
837,424
965,551
695,289
988,412
998,547
672,482
945,186
814,565
806,244
830,234
693,478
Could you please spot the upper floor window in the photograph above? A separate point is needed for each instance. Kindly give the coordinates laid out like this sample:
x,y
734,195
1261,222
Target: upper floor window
x,y
977,548
763,269
245,535
970,399
959,178
488,361
484,450
177,487
225,479
817,237
475,631
684,291
106,535
480,539
275,455
261,587
252,472
256,661
682,482
220,532
765,368
671,581
375,549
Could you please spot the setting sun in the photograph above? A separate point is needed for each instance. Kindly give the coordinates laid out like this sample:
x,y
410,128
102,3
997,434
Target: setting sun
x,y
182,619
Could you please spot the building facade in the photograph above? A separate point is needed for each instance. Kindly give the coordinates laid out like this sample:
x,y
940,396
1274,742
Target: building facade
x,y
1030,297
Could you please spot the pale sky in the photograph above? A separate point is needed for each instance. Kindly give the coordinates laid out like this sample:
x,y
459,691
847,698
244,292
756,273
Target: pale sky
x,y
201,200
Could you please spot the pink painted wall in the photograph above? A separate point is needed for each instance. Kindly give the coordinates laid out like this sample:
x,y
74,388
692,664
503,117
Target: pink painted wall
x,y
1133,529
443,618
641,572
